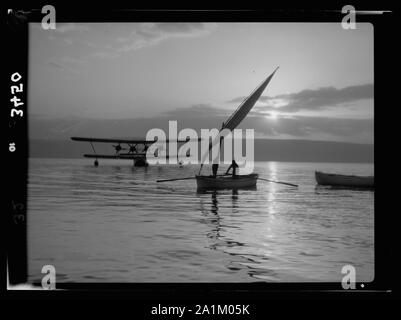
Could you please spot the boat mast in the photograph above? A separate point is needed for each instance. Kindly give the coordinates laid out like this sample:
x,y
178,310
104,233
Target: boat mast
x,y
241,112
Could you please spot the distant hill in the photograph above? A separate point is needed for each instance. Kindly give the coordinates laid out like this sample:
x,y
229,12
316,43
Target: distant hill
x,y
265,150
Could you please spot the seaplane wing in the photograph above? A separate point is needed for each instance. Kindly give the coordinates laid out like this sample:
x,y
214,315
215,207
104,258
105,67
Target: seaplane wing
x,y
127,149
128,141
116,156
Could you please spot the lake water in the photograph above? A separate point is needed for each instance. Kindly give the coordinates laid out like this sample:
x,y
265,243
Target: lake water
x,y
114,223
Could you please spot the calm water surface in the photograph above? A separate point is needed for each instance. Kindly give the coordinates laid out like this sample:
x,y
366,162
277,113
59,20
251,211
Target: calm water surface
x,y
114,223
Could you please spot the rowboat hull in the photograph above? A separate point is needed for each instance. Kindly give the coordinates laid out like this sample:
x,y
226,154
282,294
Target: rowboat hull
x,y
330,179
227,182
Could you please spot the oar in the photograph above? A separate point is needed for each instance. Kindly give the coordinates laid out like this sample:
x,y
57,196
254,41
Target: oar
x,y
289,184
189,178
177,179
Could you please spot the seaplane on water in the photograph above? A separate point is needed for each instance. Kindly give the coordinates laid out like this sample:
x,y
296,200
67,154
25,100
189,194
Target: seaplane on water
x,y
132,149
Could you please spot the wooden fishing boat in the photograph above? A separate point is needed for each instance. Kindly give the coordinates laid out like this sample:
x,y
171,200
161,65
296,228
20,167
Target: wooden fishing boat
x,y
238,181
331,179
231,181
227,181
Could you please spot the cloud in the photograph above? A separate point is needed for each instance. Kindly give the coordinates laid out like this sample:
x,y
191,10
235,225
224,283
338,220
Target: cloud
x,y
294,126
137,36
71,27
146,34
56,65
67,64
150,34
290,126
360,130
201,110
316,99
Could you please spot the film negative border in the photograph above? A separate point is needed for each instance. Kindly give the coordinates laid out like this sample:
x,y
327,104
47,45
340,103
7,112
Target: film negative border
x,y
17,135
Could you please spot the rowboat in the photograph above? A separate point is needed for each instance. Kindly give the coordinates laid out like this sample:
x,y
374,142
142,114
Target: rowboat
x,y
230,181
331,179
238,181
227,181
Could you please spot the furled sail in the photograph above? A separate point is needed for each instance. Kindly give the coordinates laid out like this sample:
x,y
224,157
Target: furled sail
x,y
241,112
246,106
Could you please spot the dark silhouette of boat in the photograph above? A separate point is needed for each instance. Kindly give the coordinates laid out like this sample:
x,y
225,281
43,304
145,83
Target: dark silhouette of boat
x,y
340,180
227,181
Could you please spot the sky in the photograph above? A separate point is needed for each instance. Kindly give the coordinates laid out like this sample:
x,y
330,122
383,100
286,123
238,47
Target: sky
x,y
145,74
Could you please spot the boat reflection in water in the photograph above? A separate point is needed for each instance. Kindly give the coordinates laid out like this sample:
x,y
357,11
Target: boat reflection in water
x,y
214,218
224,223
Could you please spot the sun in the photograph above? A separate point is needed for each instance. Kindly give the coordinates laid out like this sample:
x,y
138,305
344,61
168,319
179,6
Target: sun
x,y
272,115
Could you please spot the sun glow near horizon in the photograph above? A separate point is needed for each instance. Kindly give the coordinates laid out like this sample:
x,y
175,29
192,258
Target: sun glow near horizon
x,y
273,115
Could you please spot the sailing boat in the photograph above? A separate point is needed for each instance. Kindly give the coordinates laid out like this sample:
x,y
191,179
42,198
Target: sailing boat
x,y
234,181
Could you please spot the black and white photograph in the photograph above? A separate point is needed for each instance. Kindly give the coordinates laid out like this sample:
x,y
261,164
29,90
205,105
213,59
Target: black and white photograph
x,y
168,152
110,83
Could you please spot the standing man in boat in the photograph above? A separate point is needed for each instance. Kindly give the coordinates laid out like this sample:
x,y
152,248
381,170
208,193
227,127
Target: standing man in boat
x,y
215,167
234,167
